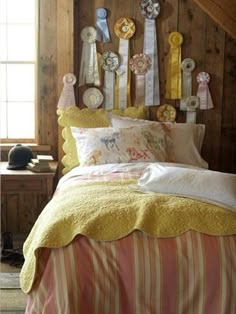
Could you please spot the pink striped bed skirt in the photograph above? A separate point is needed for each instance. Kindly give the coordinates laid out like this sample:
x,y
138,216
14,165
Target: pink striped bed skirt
x,y
192,273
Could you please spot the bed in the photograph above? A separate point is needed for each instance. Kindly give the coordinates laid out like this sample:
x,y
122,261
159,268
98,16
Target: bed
x,y
138,225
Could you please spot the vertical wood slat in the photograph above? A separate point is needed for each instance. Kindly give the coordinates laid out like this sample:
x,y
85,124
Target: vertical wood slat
x,y
47,73
228,132
212,118
65,54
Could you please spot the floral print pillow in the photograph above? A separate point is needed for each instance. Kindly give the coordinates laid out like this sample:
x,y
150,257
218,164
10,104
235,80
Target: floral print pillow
x,y
96,146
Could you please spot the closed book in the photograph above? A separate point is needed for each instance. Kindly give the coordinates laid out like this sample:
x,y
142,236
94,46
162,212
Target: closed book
x,y
45,158
38,167
37,162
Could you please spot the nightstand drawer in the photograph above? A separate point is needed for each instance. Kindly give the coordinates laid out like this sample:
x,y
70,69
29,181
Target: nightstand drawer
x,y
29,185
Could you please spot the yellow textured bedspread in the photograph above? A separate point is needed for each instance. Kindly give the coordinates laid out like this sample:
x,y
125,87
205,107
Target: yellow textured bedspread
x,y
110,210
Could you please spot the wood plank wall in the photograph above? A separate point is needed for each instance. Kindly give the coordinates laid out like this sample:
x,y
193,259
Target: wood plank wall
x,y
213,50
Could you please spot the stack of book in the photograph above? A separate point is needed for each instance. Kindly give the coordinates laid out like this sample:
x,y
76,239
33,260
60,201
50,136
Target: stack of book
x,y
40,164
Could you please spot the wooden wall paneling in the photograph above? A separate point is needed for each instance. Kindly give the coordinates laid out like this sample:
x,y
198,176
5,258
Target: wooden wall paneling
x,y
167,22
214,56
228,132
222,12
65,54
84,16
191,24
47,72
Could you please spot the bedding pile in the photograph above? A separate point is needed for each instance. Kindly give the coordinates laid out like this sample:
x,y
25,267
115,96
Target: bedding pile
x,y
92,201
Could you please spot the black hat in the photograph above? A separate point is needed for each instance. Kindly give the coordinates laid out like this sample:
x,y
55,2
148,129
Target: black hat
x,y
19,156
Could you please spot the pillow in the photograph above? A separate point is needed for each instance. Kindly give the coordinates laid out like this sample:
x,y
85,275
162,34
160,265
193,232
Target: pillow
x,y
187,139
206,185
84,118
121,145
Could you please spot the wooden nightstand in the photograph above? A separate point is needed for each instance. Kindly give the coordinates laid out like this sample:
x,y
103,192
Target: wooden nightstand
x,y
23,196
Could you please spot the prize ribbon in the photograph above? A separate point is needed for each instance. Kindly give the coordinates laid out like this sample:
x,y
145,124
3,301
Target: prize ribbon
x,y
173,83
139,64
192,103
203,78
166,113
89,73
188,65
110,64
124,30
92,98
67,97
102,26
150,9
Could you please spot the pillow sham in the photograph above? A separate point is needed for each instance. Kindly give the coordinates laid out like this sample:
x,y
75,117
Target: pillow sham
x,y
210,186
121,145
187,139
84,118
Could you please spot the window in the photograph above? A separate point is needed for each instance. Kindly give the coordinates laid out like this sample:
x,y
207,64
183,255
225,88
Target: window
x,y
18,55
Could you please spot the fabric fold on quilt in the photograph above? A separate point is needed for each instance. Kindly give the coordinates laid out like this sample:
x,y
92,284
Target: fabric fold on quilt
x,y
99,211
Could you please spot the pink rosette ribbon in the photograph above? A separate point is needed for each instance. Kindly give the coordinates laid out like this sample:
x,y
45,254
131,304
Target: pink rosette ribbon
x,y
203,78
67,97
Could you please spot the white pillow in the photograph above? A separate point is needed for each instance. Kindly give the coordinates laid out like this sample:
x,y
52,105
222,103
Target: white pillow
x,y
187,139
207,185
96,146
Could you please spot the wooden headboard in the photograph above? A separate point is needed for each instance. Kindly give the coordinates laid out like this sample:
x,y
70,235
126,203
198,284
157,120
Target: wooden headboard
x,y
205,41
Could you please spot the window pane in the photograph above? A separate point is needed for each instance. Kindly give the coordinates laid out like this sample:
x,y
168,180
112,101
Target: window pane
x,y
20,11
21,123
3,40
3,11
20,82
3,87
21,43
3,120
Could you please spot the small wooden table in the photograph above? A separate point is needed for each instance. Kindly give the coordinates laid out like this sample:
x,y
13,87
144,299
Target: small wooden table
x,y
23,196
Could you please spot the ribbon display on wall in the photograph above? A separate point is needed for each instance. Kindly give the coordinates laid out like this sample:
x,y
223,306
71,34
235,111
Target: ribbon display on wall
x,y
124,30
140,64
92,98
150,9
173,82
166,113
89,73
101,25
203,92
188,102
67,97
110,64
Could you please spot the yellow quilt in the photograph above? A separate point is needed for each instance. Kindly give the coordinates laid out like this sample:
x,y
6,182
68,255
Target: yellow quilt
x,y
110,210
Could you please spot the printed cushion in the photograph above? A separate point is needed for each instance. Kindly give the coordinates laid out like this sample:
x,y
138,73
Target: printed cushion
x,y
116,145
84,118
187,139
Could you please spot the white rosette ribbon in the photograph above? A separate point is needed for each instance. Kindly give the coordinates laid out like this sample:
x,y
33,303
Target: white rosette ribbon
x,y
89,73
110,64
150,9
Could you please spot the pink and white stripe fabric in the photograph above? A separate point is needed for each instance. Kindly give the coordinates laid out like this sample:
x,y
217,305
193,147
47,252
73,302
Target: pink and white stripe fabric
x,y
190,274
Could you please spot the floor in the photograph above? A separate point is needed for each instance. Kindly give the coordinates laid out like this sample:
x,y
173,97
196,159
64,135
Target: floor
x,y
12,301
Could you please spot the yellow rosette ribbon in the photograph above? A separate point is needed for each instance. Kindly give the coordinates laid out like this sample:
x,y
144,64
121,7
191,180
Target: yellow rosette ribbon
x,y
173,82
124,30
166,113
